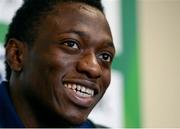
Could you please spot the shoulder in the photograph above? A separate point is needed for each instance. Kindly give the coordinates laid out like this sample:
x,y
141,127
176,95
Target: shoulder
x,y
97,125
3,90
3,85
3,94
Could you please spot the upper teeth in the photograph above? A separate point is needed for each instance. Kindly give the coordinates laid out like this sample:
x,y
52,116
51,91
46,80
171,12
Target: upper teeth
x,y
81,90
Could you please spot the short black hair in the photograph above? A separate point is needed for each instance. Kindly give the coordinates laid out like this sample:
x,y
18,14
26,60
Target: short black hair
x,y
28,16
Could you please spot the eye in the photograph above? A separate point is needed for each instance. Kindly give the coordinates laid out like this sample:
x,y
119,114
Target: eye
x,y
71,44
105,57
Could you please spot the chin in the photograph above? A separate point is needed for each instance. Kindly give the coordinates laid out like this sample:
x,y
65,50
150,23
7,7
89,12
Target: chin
x,y
77,119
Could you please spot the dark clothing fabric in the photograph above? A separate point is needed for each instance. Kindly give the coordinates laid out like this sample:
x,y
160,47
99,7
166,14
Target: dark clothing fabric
x,y
8,115
10,119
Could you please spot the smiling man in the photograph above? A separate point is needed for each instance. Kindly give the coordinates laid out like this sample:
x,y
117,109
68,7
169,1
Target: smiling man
x,y
58,62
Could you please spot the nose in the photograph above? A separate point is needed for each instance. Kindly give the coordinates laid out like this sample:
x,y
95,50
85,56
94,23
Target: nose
x,y
89,65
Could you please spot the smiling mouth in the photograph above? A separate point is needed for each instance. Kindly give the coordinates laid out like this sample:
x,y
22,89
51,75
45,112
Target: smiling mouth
x,y
80,90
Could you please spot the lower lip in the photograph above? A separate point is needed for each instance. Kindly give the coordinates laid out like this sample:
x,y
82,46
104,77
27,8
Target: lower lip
x,y
79,100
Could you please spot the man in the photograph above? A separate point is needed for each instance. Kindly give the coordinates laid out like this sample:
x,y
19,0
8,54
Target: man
x,y
58,57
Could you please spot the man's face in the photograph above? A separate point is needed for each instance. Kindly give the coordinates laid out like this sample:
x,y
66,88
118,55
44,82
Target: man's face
x,y
68,67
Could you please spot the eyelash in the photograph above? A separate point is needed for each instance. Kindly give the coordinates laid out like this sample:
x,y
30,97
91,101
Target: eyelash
x,y
71,44
105,57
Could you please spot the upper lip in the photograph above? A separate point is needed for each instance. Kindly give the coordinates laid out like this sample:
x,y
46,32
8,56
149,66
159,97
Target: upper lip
x,y
86,83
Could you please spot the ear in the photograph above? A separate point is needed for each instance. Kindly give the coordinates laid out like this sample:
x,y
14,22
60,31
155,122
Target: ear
x,y
15,53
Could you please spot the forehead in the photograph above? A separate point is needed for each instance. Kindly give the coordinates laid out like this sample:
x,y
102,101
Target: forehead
x,y
77,12
69,17
74,7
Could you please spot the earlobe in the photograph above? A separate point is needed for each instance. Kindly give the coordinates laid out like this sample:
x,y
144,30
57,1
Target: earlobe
x,y
15,51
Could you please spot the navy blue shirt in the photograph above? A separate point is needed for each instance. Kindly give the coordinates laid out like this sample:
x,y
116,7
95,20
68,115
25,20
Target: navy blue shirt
x,y
8,115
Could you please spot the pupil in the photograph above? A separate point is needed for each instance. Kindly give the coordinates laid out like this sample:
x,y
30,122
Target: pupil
x,y
105,56
71,44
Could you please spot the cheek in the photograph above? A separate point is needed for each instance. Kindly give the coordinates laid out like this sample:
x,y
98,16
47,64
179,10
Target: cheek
x,y
42,74
106,79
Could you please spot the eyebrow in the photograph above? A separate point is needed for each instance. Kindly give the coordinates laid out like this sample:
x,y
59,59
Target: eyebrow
x,y
80,33
111,44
